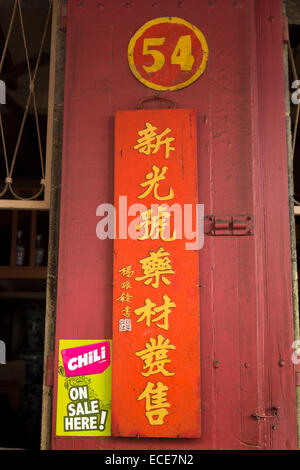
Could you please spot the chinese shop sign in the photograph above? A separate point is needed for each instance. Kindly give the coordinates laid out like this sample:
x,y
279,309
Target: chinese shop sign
x,y
84,388
156,370
167,53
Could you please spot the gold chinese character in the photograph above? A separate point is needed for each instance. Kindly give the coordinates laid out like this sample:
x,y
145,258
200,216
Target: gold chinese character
x,y
150,309
126,285
158,224
155,266
155,356
150,142
125,297
126,311
156,402
126,271
154,177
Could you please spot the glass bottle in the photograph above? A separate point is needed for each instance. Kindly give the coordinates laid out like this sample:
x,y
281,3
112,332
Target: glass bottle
x,y
39,251
20,250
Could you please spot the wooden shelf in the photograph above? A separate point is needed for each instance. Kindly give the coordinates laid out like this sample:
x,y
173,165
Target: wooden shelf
x,y
28,223
23,272
13,294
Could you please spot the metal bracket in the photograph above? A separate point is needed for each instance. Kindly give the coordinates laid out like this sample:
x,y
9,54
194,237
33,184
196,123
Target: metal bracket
x,y
63,17
228,225
297,374
49,373
285,29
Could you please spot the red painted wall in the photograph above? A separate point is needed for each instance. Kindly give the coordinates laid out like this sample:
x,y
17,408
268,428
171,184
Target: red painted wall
x,y
245,295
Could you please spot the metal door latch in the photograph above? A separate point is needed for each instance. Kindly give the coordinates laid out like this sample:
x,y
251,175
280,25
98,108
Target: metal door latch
x,y
274,415
228,225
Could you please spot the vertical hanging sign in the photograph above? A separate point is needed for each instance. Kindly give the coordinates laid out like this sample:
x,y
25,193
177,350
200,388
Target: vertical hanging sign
x,y
156,350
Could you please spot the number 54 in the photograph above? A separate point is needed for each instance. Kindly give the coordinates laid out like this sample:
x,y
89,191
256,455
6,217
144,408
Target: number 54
x,y
182,54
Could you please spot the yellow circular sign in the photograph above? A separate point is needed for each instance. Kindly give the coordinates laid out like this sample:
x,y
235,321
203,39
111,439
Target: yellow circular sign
x,y
167,53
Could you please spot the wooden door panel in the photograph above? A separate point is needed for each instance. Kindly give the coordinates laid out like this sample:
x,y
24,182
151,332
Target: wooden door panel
x,y
245,295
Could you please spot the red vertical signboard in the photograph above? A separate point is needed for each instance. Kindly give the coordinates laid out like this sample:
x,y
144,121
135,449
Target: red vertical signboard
x,y
156,350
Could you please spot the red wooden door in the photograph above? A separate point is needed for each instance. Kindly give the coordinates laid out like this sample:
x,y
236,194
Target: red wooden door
x,y
245,293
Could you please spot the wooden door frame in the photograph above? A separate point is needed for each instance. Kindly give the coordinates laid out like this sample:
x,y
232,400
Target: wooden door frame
x,y
59,40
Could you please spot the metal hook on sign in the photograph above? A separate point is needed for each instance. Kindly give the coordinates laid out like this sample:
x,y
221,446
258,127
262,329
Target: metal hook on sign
x,y
156,97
